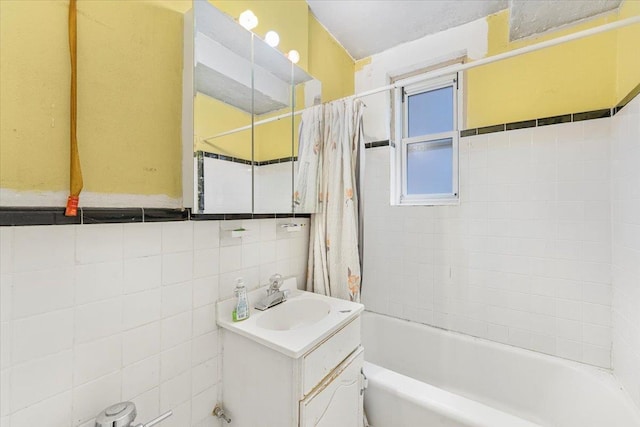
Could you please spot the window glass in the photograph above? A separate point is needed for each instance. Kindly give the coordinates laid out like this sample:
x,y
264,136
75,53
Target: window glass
x,y
430,112
430,167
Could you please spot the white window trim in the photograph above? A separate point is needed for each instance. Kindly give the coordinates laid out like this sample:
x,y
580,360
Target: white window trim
x,y
400,143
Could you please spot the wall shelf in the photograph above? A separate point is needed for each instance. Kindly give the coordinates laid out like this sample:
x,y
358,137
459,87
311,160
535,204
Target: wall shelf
x,y
222,60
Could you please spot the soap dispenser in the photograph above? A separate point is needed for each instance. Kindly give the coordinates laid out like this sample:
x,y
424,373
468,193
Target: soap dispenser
x,y
241,311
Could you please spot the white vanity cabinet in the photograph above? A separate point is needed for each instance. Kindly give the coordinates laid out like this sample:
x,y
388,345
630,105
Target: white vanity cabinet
x,y
263,387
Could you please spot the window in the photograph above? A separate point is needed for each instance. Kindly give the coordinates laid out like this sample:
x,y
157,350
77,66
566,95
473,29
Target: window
x,y
425,161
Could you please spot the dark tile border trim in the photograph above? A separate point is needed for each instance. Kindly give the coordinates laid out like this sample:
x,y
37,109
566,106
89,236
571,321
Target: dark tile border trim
x,y
491,129
223,157
36,216
19,216
207,217
107,216
546,121
375,144
564,118
200,172
164,215
202,154
274,161
590,115
521,125
236,216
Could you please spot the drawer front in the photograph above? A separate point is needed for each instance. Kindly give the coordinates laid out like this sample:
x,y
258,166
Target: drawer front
x,y
329,354
337,402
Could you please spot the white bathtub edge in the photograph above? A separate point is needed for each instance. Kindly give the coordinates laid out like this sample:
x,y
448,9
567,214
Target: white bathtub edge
x,y
605,375
452,406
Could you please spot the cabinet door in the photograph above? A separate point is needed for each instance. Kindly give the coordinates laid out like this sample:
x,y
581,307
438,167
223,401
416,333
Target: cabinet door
x,y
337,401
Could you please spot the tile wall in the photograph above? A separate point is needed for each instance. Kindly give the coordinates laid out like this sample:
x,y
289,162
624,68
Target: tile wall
x,y
232,190
269,182
626,247
524,259
232,193
96,314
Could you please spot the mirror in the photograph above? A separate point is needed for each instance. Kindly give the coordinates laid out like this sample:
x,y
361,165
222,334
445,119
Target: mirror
x,y
276,146
244,137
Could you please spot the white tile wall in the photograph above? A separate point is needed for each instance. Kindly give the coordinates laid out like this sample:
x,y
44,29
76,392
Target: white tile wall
x,y
95,314
234,179
626,247
524,258
269,181
234,192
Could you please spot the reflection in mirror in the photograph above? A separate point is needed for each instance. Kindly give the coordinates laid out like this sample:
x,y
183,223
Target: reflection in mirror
x,y
272,142
276,145
311,135
275,133
222,103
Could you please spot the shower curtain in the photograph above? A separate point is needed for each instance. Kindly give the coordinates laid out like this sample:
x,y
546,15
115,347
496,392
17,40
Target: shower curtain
x,y
330,140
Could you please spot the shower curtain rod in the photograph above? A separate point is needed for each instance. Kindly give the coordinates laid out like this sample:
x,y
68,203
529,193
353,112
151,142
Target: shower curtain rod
x,y
457,68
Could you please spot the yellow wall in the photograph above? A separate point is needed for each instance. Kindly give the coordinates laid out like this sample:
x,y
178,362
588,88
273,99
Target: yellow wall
x,y
129,96
329,63
628,52
572,77
272,140
129,107
212,117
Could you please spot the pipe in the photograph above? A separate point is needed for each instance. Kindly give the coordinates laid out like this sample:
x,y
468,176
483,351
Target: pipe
x,y
219,413
157,420
461,67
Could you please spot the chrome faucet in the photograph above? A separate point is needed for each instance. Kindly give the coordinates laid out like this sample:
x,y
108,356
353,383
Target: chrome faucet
x,y
274,295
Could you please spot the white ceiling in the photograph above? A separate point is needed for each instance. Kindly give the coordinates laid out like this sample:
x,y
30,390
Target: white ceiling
x,y
366,27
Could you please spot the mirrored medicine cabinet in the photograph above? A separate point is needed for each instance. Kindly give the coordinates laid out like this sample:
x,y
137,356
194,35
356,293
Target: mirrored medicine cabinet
x,y
240,130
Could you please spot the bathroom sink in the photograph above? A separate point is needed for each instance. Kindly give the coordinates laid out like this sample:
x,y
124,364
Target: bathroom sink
x,y
293,327
294,314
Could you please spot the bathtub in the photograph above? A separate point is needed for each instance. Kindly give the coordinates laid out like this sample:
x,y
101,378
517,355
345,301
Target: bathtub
x,y
424,376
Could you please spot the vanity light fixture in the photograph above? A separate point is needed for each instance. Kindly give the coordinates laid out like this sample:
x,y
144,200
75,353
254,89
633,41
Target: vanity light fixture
x,y
272,38
293,56
248,20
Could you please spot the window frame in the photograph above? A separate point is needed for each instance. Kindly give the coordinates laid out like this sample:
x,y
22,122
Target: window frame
x,y
399,196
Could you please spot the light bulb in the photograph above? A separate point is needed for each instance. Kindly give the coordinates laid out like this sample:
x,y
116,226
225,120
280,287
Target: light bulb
x,y
293,56
248,20
272,38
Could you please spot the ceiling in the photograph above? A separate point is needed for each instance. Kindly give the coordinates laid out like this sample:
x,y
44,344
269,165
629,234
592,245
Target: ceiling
x,y
533,17
366,27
